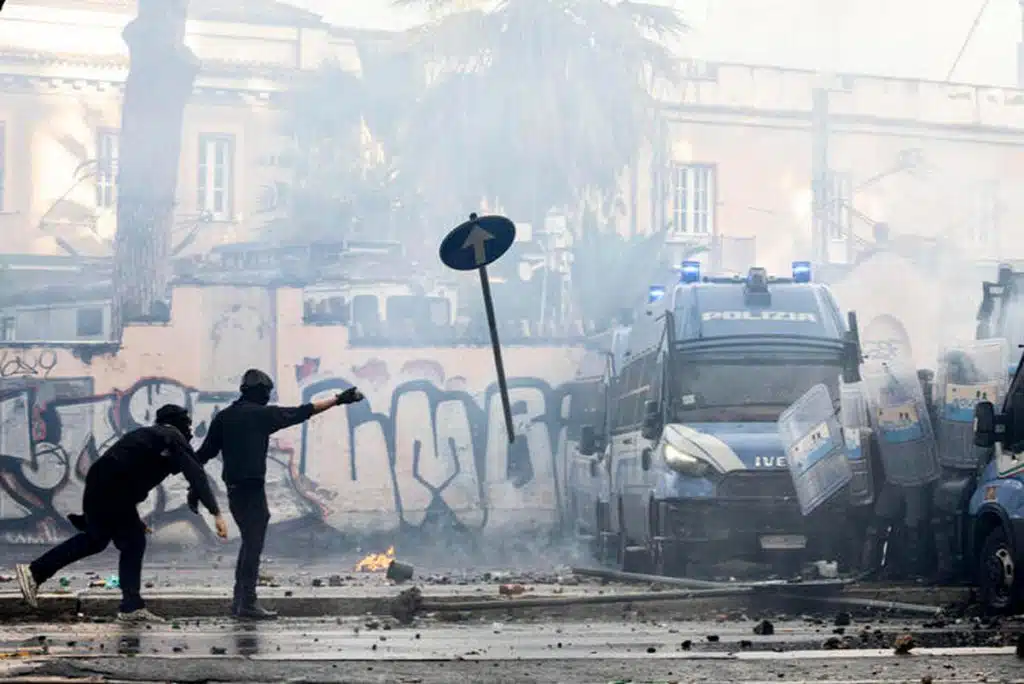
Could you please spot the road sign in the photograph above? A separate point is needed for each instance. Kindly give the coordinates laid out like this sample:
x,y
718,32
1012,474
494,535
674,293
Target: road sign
x,y
478,242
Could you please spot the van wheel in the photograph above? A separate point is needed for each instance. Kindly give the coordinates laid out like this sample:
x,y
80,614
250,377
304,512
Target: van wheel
x,y
999,585
633,558
667,556
630,557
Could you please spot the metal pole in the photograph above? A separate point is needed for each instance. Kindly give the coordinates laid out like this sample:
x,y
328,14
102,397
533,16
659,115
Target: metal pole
x,y
492,325
820,200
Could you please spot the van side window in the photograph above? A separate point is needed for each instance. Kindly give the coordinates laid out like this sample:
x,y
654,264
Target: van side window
x,y
624,411
633,388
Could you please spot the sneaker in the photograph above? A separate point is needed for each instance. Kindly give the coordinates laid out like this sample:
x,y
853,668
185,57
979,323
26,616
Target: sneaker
x,y
28,584
140,615
253,612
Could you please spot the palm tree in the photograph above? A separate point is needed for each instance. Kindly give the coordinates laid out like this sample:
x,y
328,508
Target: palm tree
x,y
347,132
538,101
159,85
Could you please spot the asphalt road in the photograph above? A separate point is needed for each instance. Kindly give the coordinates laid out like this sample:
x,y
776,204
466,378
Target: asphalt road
x,y
369,650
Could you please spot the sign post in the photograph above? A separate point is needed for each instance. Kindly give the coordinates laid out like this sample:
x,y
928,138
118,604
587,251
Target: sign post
x,y
474,245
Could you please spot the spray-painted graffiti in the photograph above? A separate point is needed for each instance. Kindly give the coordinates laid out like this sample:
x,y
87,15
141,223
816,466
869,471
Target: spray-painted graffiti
x,y
51,431
27,365
422,451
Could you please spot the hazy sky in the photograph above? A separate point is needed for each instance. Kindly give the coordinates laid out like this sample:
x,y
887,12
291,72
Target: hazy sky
x,y
917,38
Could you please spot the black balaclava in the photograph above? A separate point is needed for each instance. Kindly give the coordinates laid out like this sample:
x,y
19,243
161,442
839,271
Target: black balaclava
x,y
256,386
177,417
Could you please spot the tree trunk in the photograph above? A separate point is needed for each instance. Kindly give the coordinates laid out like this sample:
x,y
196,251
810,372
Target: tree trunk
x,y
159,85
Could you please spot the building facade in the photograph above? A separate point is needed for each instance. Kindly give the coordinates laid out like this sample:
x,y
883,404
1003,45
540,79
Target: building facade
x,y
932,160
62,73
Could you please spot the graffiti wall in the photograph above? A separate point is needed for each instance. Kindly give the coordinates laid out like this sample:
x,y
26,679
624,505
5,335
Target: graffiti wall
x,y
427,448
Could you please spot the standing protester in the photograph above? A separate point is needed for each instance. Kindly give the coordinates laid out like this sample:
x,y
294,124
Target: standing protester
x,y
114,486
241,433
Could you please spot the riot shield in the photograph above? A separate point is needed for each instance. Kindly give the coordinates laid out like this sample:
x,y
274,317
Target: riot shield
x,y
968,372
899,417
853,418
815,448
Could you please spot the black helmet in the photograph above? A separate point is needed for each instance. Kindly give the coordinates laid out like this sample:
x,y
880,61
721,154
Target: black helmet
x,y
176,417
256,386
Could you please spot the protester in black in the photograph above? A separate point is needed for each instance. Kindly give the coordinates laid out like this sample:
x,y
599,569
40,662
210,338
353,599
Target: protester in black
x,y
241,433
114,486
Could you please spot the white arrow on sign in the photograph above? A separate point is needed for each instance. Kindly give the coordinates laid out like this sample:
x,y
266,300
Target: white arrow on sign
x,y
476,239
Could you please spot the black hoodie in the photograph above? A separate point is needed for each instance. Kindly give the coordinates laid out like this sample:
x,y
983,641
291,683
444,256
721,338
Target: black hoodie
x,y
144,458
241,432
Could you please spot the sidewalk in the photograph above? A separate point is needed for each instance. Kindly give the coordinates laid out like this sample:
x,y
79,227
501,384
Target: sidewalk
x,y
310,602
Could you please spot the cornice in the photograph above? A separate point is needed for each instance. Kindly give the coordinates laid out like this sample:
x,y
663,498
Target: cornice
x,y
22,61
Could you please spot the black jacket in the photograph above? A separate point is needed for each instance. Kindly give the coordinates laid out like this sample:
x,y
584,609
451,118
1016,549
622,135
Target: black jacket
x,y
241,432
144,458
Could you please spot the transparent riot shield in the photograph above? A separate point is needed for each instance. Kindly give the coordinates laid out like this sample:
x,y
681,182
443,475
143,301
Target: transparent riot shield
x,y
899,417
815,448
853,417
968,372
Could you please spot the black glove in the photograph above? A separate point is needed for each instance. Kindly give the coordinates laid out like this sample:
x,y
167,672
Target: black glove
x,y
350,396
193,501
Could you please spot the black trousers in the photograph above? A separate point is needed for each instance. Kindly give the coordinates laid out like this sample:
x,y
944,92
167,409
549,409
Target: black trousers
x,y
248,503
109,516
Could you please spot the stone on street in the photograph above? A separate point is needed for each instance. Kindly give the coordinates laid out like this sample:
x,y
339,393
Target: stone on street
x,y
372,650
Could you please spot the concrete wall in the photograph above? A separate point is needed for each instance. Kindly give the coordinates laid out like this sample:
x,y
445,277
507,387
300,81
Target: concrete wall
x,y
427,446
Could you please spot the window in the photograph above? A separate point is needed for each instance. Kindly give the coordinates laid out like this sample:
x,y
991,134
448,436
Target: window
x,y
216,175
7,326
986,219
839,195
107,148
89,322
633,388
692,192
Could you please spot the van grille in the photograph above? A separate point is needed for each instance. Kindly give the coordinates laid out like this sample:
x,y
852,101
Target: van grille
x,y
763,485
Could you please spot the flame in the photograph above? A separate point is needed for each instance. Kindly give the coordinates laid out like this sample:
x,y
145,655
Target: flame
x,y
376,562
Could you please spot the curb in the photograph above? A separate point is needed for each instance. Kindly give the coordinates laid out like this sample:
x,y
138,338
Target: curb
x,y
218,604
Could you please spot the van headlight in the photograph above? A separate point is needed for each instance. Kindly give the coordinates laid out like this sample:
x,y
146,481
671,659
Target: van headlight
x,y
685,463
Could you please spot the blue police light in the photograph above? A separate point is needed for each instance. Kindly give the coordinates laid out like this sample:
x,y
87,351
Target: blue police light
x,y
801,271
690,272
655,293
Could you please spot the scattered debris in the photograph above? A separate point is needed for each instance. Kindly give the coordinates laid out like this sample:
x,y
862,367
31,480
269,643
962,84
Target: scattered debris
x,y
511,589
903,644
406,605
832,644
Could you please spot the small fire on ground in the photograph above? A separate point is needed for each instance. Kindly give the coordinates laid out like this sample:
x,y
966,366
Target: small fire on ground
x,y
376,562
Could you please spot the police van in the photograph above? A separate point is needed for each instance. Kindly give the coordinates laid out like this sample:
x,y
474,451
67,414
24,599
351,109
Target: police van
x,y
697,469
995,514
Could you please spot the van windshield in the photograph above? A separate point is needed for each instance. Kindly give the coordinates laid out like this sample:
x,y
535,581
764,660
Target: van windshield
x,y
751,389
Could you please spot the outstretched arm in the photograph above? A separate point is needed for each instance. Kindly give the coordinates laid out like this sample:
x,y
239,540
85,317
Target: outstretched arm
x,y
281,417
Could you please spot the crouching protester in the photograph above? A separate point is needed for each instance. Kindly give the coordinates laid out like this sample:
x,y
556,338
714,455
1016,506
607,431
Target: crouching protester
x,y
116,483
